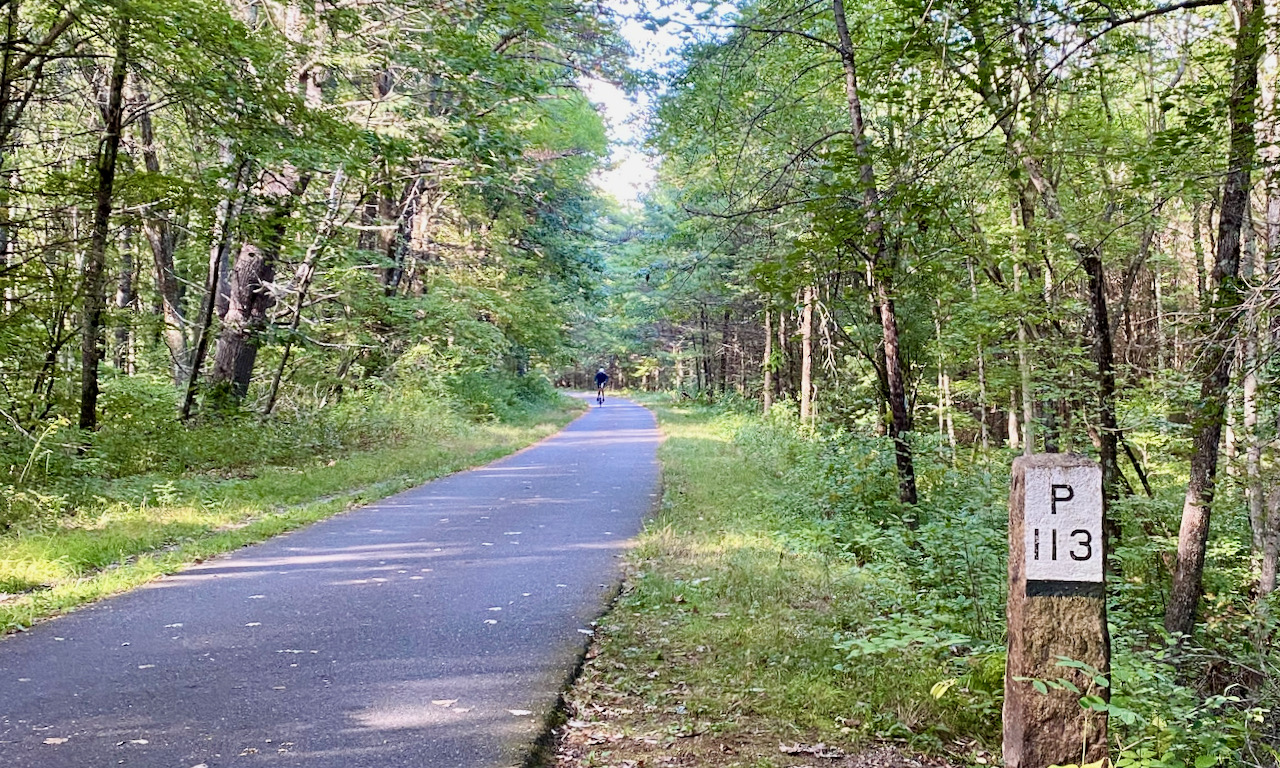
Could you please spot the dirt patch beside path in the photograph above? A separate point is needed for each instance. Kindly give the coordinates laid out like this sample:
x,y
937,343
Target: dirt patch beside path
x,y
605,742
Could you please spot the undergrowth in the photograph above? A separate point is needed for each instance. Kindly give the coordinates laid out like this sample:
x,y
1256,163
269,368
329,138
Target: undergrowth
x,y
782,590
149,494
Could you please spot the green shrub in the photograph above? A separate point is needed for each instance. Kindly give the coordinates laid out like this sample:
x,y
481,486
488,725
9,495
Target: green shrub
x,y
939,592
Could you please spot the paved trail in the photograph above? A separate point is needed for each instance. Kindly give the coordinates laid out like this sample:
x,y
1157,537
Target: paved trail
x,y
433,629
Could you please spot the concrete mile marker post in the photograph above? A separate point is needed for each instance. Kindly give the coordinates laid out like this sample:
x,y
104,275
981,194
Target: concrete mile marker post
x,y
1057,609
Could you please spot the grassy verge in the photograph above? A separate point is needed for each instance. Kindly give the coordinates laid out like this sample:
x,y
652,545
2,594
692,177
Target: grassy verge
x,y
722,649
129,531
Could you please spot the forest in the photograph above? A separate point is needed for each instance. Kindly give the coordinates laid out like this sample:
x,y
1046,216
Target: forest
x,y
905,240
217,209
932,236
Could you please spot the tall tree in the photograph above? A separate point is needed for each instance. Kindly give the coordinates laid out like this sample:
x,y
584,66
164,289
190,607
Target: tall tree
x,y
94,291
1221,306
882,265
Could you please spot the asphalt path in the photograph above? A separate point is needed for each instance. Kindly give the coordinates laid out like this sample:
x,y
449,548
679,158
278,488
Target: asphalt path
x,y
434,628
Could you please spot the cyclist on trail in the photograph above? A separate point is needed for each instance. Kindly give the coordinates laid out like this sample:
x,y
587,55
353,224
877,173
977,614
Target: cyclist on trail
x,y
602,378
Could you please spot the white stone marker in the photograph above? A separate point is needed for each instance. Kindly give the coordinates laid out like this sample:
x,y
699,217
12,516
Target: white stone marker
x,y
1057,609
1062,535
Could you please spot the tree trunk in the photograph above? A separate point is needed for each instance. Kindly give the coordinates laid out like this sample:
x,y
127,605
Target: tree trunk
x,y
1250,355
1158,298
704,365
724,353
946,422
306,271
882,267
395,237
1197,248
159,232
1270,548
245,320
806,357
124,300
1108,429
767,387
780,387
982,369
1015,434
250,297
214,281
1269,153
96,258
1214,363
1024,371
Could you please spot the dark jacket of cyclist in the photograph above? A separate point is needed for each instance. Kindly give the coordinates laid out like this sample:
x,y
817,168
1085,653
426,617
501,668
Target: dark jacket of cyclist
x,y
602,378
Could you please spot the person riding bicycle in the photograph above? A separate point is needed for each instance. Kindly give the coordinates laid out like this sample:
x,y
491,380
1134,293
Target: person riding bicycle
x,y
602,378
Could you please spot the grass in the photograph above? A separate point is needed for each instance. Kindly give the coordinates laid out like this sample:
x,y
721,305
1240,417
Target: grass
x,y
722,647
779,601
132,530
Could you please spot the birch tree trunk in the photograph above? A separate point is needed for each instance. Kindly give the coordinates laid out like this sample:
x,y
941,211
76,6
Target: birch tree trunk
x,y
1250,355
806,357
1024,371
767,386
982,368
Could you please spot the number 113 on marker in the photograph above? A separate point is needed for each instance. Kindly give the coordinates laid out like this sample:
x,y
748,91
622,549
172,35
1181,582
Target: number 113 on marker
x,y
1063,524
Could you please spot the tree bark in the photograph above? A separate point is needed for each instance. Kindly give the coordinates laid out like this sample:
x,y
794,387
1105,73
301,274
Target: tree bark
x,y
779,385
250,295
767,387
1269,154
946,421
1220,321
160,236
1024,371
882,266
215,279
1014,433
1158,299
724,352
1250,356
306,271
704,363
1103,360
1197,249
124,300
96,258
245,320
982,368
1270,548
1108,429
806,357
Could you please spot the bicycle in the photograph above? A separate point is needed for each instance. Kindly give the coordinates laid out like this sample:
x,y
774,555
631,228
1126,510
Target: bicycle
x,y
600,395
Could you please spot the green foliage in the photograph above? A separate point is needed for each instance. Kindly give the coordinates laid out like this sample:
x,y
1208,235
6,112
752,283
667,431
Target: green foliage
x,y
918,635
415,178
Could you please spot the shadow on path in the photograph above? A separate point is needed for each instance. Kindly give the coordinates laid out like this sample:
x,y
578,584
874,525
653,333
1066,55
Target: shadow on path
x,y
434,628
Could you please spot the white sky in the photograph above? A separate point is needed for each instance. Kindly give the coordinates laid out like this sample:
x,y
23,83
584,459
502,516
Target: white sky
x,y
630,173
